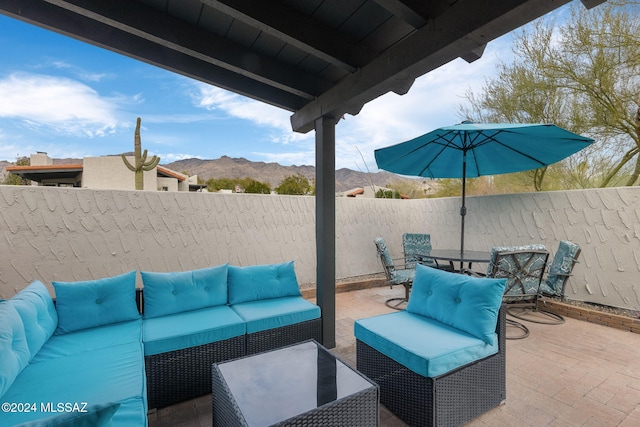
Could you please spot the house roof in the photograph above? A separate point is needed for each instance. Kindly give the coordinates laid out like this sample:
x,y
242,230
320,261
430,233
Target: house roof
x,y
315,58
38,173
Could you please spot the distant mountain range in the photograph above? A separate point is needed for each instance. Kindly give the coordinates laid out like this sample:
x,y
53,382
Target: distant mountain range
x,y
272,173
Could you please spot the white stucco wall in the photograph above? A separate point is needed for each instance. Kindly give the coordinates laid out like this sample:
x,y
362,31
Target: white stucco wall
x,y
108,172
79,234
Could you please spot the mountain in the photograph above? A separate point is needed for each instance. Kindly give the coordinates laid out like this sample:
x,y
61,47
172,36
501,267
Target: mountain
x,y
274,173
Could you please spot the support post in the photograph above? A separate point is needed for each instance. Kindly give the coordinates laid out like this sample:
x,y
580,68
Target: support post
x,y
325,128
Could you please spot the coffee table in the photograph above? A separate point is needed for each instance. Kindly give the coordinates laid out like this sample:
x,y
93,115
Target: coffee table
x,y
302,384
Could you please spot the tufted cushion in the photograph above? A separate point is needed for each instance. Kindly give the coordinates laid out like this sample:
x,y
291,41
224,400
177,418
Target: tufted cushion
x,y
176,292
39,316
467,303
14,350
83,305
259,282
92,416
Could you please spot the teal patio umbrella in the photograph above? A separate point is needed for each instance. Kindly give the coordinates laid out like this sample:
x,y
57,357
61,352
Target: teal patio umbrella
x,y
480,149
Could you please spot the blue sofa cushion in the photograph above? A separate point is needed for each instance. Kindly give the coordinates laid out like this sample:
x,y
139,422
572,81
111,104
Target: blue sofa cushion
x,y
93,416
258,282
175,292
83,305
87,340
276,312
424,345
39,316
14,349
190,329
112,374
470,304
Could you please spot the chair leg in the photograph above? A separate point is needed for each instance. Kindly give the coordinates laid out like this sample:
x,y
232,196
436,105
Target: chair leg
x,y
400,303
512,324
531,313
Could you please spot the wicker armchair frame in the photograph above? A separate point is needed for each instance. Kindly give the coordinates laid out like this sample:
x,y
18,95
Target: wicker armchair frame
x,y
451,399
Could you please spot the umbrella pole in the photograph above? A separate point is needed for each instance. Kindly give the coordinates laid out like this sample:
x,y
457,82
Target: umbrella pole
x,y
463,208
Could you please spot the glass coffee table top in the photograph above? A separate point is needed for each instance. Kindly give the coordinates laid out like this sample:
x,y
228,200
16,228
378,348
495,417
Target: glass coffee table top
x,y
277,385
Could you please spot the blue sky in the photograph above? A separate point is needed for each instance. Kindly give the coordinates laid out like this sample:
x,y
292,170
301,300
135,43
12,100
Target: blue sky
x,y
71,99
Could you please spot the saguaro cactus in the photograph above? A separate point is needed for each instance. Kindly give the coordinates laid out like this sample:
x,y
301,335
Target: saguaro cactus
x,y
141,159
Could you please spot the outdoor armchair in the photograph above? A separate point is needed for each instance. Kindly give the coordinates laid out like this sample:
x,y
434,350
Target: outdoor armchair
x,y
560,270
395,275
523,267
417,247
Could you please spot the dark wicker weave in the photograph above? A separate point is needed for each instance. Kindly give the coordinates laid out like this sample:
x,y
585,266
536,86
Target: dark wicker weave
x,y
356,410
180,375
270,339
451,399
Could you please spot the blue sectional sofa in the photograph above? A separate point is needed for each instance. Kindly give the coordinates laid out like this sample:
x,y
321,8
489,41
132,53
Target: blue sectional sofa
x,y
442,360
95,348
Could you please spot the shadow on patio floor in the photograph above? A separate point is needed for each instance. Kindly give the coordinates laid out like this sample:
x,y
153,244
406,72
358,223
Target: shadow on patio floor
x,y
575,374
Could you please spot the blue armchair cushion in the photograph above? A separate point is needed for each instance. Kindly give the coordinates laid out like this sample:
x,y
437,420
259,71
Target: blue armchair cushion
x,y
92,416
176,292
258,282
14,350
39,316
83,305
426,346
470,304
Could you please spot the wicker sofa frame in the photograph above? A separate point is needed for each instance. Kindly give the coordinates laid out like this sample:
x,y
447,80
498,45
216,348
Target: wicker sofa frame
x,y
451,399
271,339
180,375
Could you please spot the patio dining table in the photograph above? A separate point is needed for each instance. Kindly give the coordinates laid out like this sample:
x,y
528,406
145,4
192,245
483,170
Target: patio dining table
x,y
455,255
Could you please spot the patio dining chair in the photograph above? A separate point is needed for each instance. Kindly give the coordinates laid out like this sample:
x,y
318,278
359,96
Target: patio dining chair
x,y
523,267
417,247
560,270
395,275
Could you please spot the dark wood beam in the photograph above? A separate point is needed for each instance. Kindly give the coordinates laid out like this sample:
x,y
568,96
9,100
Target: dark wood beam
x,y
298,30
464,27
157,27
92,31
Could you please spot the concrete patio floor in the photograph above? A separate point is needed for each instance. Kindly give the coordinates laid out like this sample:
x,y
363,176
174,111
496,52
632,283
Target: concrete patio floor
x,y
575,374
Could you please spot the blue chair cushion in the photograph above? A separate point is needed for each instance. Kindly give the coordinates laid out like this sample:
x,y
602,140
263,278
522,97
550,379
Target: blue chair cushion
x,y
38,314
424,345
258,282
83,305
190,328
175,292
14,349
470,304
275,313
92,416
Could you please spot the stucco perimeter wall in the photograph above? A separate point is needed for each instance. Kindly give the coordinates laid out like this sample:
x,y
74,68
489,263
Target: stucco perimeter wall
x,y
69,234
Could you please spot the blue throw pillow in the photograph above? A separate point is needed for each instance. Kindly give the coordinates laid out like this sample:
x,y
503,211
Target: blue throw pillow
x,y
258,282
14,350
176,292
470,304
39,316
92,416
84,305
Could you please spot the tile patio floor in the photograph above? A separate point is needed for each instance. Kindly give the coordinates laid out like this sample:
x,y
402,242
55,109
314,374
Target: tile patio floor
x,y
575,374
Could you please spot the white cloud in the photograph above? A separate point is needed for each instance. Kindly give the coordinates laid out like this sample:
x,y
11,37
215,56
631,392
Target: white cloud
x,y
55,104
259,113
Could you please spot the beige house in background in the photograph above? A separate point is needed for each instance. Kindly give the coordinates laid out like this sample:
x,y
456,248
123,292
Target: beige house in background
x,y
101,173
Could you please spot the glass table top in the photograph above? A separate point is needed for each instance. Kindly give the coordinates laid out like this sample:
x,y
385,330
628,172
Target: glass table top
x,y
277,385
